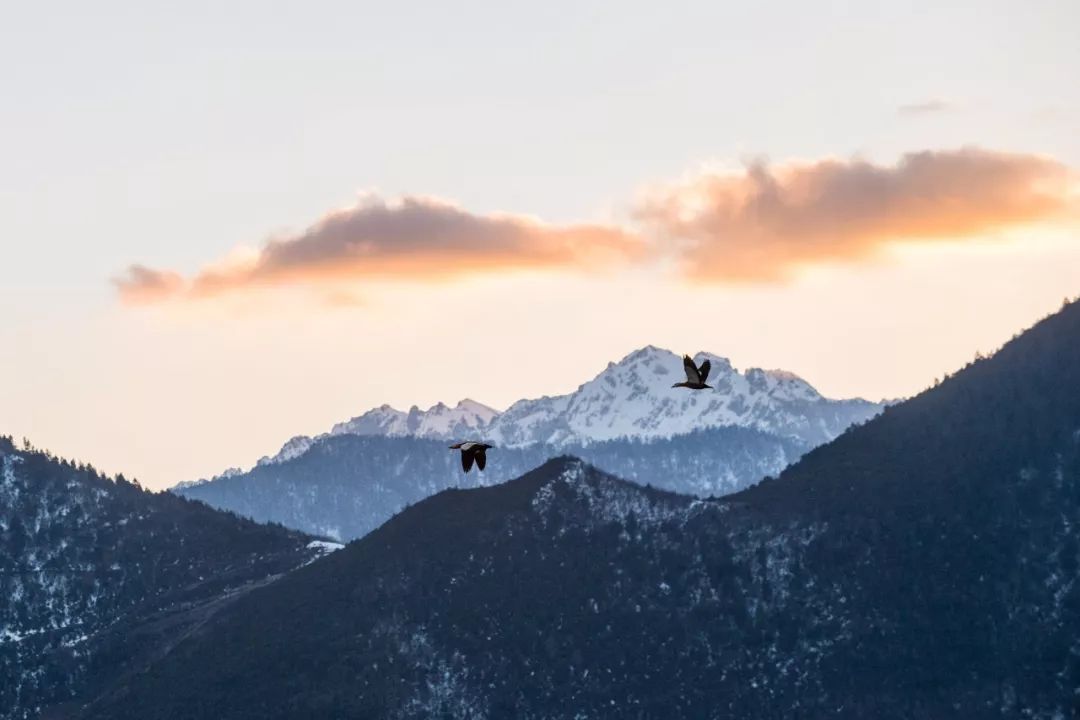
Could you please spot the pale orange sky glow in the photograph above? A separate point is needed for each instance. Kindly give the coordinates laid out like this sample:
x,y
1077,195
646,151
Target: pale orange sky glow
x,y
192,270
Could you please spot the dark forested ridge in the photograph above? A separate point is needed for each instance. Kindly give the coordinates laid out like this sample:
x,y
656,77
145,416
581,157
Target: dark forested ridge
x,y
97,574
924,565
347,485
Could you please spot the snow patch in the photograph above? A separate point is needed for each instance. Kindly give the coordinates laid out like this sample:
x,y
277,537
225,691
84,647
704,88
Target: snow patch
x,y
325,546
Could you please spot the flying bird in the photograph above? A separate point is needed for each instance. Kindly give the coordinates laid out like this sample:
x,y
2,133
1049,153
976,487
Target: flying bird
x,y
695,376
472,452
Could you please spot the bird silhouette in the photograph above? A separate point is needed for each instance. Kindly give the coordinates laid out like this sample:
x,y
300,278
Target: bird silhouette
x,y
695,376
471,452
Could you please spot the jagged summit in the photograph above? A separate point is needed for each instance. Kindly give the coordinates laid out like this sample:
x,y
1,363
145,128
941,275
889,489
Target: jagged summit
x,y
439,421
630,398
633,398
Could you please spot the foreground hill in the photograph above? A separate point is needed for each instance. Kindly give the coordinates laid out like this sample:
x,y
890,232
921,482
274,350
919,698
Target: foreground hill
x,y
924,565
97,575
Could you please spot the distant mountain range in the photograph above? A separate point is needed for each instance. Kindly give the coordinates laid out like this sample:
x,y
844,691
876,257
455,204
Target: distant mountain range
x,y
925,564
630,399
628,420
98,577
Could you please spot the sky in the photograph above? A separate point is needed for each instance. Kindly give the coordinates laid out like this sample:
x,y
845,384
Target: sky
x,y
222,225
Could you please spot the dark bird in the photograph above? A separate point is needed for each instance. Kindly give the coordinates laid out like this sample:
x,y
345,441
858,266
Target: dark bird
x,y
695,376
472,452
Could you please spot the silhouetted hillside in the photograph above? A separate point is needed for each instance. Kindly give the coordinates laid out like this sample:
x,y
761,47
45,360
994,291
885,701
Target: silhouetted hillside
x,y
924,565
85,559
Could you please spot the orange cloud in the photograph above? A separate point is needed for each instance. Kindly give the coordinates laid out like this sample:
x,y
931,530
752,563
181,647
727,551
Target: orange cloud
x,y
758,224
414,238
761,223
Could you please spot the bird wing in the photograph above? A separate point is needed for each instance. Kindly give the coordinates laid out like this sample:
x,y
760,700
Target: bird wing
x,y
466,460
692,375
705,367
481,458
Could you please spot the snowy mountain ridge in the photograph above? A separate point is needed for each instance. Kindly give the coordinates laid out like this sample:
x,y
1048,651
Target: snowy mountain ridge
x,y
84,559
632,398
439,422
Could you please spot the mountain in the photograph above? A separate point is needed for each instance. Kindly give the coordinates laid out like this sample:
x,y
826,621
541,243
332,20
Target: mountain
x,y
468,417
633,399
347,485
925,564
97,575
628,420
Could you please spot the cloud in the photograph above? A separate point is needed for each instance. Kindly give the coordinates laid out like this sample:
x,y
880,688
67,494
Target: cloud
x,y
141,284
758,224
413,238
924,108
761,223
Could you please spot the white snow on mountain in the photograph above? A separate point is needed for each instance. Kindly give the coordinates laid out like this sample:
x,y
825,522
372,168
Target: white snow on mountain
x,y
230,472
438,421
635,398
631,398
293,448
324,548
467,418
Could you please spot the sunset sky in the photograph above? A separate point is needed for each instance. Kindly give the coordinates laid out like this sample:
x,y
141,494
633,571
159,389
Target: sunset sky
x,y
223,227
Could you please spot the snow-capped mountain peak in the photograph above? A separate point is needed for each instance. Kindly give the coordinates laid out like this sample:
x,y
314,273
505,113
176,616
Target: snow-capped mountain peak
x,y
438,421
782,384
225,474
295,447
632,398
468,405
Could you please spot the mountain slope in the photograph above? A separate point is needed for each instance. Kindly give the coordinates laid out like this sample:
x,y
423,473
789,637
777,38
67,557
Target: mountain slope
x,y
923,565
85,559
348,485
